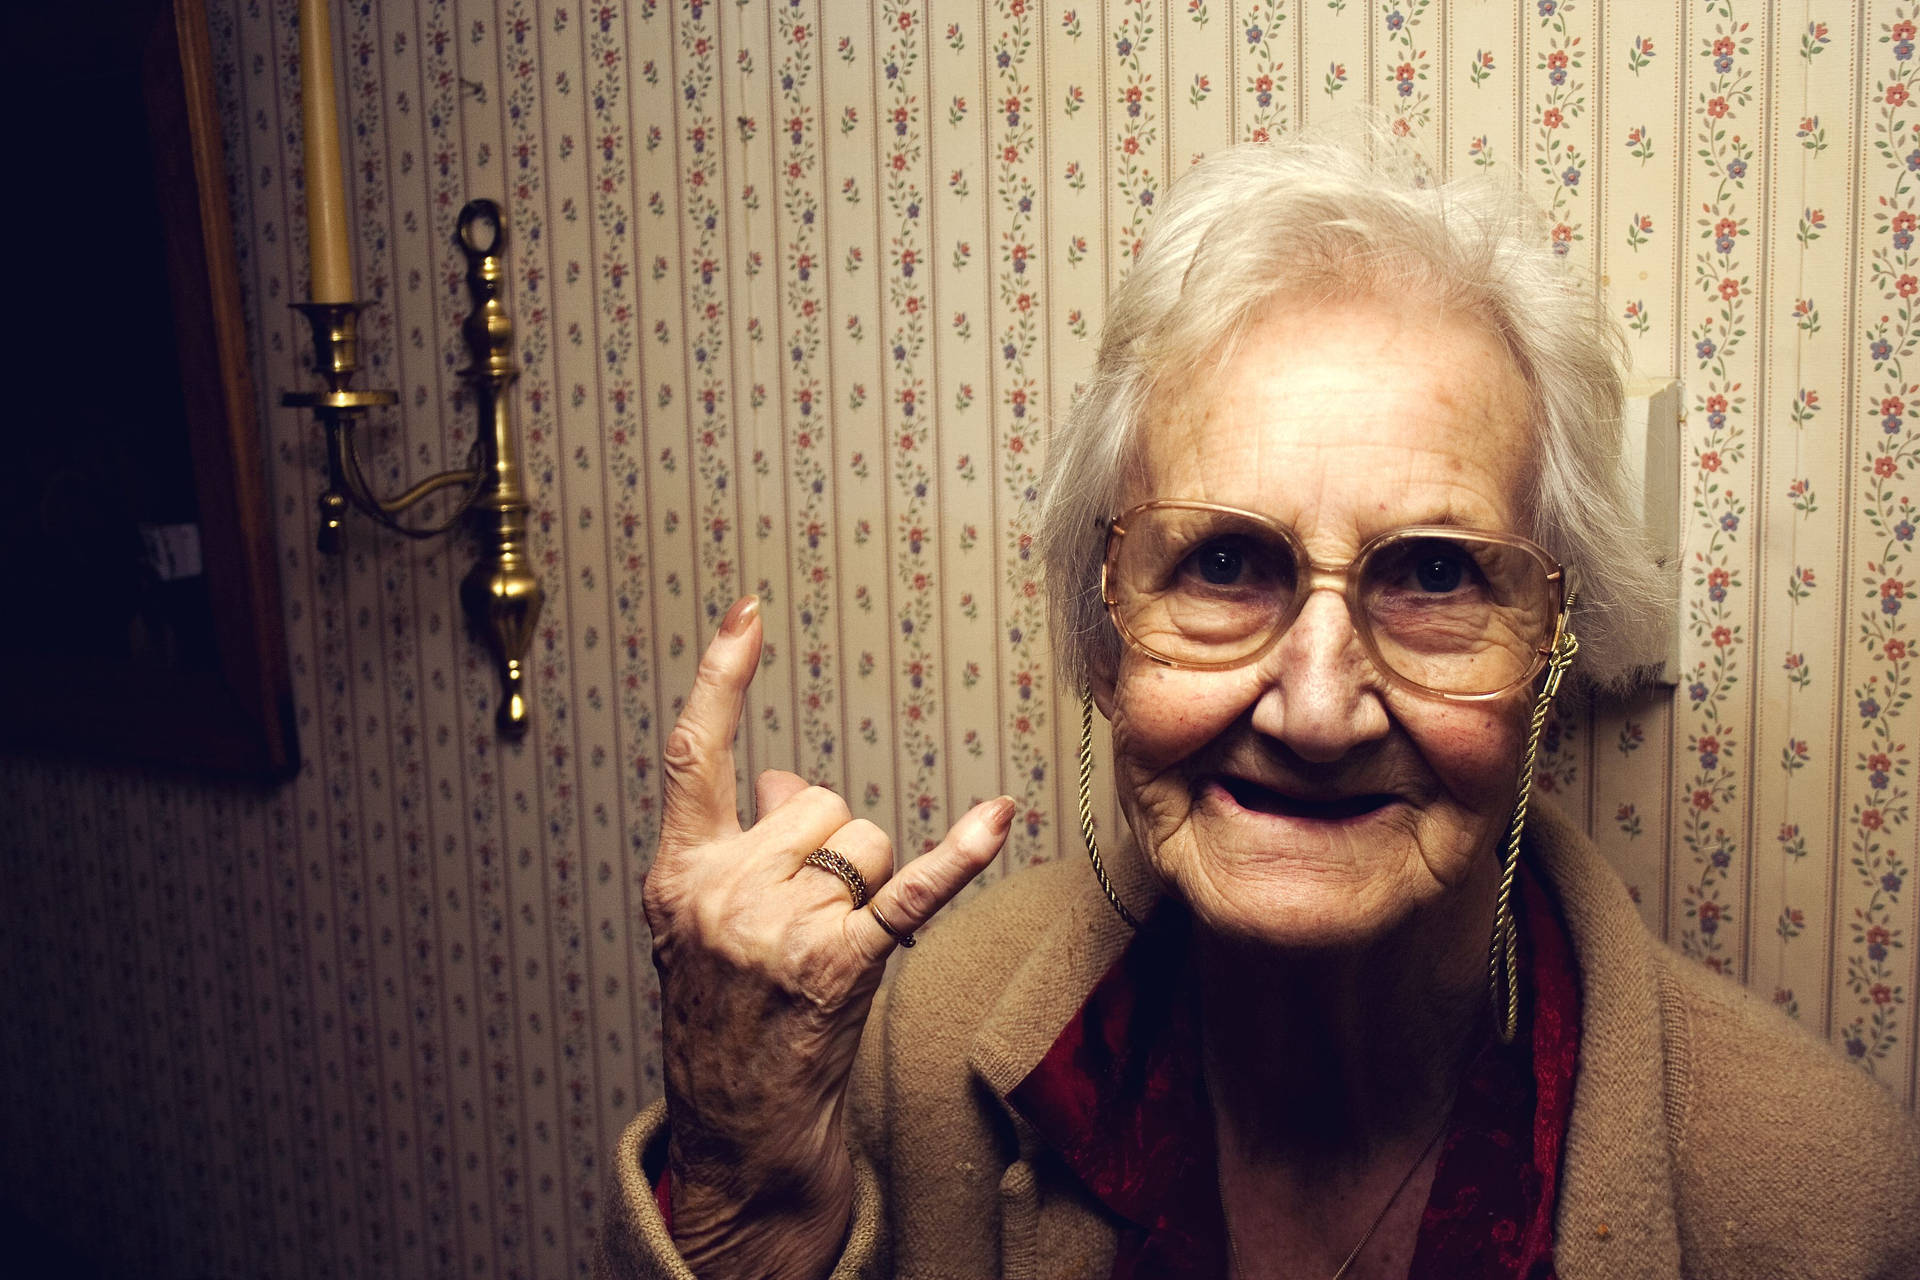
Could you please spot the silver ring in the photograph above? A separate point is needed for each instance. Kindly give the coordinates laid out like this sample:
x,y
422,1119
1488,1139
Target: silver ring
x,y
904,939
835,863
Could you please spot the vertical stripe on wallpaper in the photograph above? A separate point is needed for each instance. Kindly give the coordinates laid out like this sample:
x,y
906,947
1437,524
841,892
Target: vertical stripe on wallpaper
x,y
1403,78
556,445
1722,53
190,1008
706,312
376,97
1335,75
678,538
500,1198
548,50
855,417
963,108
1802,556
1267,79
1487,75
1130,96
630,90
753,301
1641,242
1073,215
157,890
601,382
465,813
1200,98
908,404
1020,265
427,710
804,395
1558,163
219,979
1875,917
251,1024
1135,159
375,569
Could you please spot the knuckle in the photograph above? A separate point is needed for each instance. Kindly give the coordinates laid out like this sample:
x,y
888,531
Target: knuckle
x,y
829,803
867,834
916,897
683,750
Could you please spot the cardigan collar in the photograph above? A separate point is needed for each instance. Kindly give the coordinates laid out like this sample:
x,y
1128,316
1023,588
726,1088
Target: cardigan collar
x,y
1616,1215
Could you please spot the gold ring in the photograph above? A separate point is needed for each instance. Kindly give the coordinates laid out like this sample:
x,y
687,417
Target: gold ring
x,y
835,863
904,939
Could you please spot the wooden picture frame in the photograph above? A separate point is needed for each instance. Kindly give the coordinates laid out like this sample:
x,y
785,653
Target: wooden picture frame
x,y
218,696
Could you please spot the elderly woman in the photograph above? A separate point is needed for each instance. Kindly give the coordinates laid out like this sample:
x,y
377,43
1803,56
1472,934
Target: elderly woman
x,y
1319,537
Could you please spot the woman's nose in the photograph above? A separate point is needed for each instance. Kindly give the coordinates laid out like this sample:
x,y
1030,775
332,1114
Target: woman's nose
x,y
1322,696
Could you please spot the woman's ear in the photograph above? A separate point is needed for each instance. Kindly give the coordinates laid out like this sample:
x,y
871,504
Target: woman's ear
x,y
1101,677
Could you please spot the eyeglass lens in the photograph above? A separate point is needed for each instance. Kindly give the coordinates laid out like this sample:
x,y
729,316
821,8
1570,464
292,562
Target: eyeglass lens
x,y
1450,612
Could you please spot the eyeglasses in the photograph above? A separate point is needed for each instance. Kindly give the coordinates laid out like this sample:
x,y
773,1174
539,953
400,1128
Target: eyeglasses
x,y
1460,614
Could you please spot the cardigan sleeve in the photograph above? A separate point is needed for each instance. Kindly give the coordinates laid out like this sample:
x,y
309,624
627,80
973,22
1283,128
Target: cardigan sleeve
x,y
636,1244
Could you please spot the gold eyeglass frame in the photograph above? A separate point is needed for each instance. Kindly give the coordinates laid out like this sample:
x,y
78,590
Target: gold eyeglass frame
x,y
1346,580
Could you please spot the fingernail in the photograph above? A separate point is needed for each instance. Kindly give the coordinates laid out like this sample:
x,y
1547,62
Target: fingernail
x,y
740,615
1000,816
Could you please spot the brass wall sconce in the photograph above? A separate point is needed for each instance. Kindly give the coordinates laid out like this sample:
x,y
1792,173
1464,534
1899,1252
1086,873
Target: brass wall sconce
x,y
501,594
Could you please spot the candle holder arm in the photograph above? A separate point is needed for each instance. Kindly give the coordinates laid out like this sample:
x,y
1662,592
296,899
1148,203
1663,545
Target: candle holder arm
x,y
387,510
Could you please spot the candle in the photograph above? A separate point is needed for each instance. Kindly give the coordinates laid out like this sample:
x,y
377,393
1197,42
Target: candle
x,y
326,188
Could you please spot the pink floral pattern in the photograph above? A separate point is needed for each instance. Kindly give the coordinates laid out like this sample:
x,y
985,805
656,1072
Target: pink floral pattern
x,y
809,398
1027,689
1136,129
908,415
1559,101
1263,72
1405,64
1709,830
1879,807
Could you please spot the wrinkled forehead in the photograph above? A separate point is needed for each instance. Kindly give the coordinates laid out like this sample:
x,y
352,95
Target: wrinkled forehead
x,y
1359,416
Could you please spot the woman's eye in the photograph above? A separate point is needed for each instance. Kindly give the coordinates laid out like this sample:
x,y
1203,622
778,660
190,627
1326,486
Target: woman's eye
x,y
1430,571
1219,564
1439,573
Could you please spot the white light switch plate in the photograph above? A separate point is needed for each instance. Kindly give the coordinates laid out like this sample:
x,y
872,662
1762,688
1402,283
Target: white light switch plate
x,y
1650,460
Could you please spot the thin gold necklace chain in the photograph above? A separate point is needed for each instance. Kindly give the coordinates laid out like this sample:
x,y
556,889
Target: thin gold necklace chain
x,y
1220,1188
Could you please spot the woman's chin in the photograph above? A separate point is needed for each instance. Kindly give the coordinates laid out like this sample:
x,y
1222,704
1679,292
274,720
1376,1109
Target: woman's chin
x,y
1292,922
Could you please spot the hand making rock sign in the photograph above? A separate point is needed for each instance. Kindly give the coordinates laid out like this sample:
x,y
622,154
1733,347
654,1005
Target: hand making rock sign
x,y
768,965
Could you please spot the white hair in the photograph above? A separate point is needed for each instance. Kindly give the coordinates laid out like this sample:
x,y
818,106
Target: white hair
x,y
1320,220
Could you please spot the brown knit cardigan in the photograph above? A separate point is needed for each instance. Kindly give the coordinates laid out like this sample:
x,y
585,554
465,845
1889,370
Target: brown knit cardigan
x,y
1710,1137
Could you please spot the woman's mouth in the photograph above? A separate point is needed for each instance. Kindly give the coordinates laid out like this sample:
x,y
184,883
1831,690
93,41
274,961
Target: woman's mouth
x,y
1258,798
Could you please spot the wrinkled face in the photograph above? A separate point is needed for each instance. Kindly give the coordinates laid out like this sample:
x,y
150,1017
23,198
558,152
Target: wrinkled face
x,y
1301,799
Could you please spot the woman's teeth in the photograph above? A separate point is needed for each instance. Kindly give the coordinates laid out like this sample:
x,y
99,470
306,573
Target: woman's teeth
x,y
1264,799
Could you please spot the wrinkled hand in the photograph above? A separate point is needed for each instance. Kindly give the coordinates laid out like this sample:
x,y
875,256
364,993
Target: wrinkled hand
x,y
767,973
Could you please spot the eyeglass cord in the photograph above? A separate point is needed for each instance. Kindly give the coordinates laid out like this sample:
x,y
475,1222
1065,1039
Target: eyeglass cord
x,y
1086,804
1503,957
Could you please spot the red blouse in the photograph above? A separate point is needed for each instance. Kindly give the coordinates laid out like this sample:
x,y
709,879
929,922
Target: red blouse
x,y
1120,1098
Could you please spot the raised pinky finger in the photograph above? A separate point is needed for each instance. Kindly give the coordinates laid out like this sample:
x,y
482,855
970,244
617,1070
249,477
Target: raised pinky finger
x,y
920,888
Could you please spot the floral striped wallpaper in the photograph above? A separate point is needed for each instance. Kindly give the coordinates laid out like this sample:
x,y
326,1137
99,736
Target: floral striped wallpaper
x,y
798,286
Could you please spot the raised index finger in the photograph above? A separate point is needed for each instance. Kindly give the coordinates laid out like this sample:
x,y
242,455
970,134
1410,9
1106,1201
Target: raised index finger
x,y
701,802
